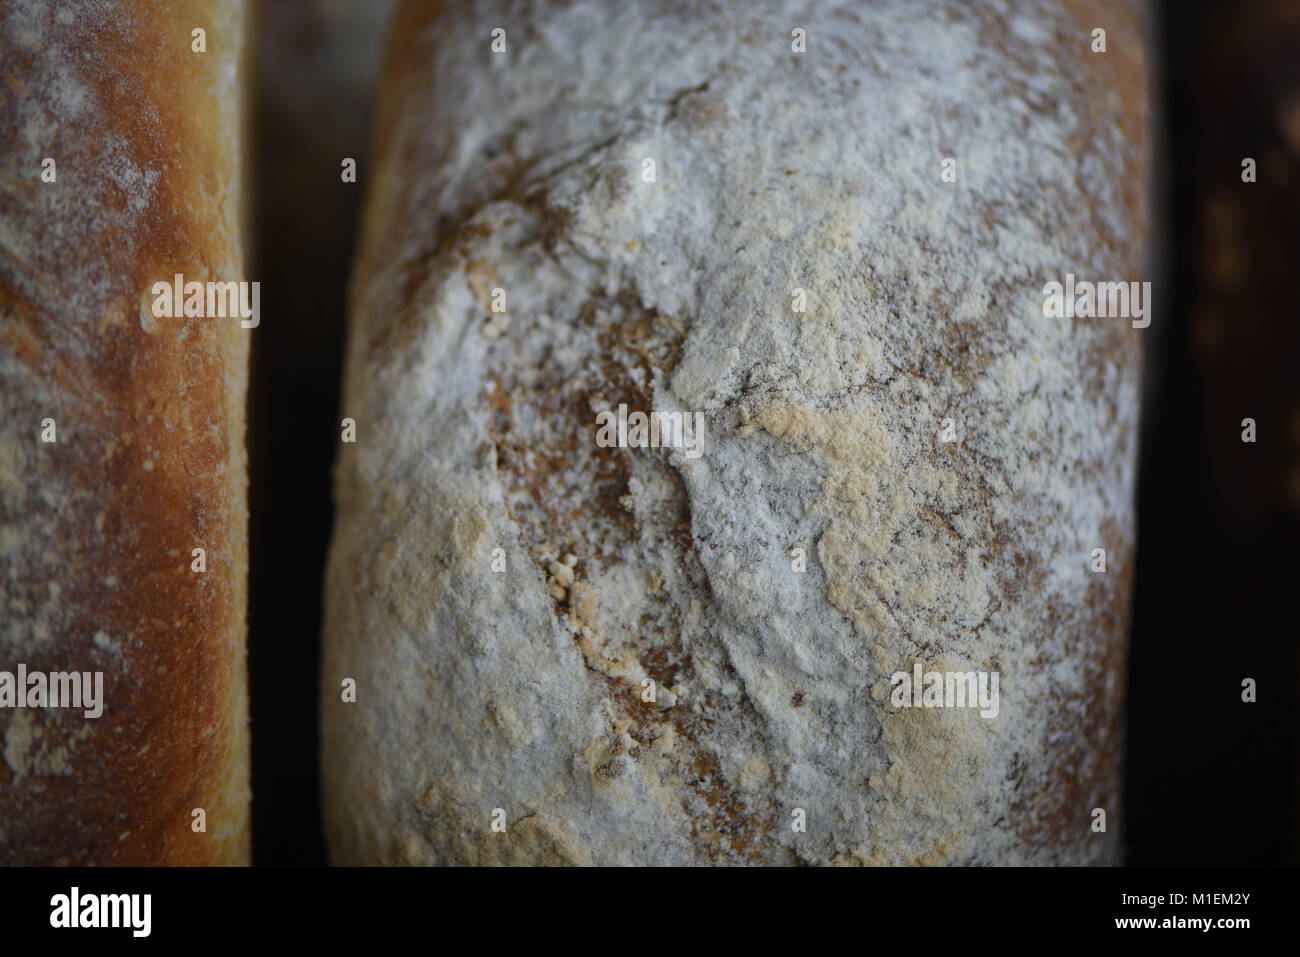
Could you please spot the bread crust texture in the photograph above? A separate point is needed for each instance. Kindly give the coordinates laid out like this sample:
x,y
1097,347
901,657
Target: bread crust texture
x,y
143,459
568,652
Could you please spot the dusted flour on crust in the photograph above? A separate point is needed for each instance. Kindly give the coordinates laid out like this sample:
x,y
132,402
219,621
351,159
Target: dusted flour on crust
x,y
97,528
491,673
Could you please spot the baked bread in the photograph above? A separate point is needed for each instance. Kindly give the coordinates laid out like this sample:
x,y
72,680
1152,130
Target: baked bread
x,y
796,268
98,527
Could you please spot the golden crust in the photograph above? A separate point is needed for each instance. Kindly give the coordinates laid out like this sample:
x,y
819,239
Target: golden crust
x,y
96,530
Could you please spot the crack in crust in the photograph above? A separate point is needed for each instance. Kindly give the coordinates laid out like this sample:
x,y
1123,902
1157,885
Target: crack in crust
x,y
566,494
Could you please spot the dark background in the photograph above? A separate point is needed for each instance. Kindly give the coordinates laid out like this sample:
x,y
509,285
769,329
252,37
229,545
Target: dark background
x,y
316,62
1210,780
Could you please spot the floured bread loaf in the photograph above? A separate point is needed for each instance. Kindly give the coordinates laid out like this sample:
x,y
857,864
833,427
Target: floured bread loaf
x,y
541,648
122,439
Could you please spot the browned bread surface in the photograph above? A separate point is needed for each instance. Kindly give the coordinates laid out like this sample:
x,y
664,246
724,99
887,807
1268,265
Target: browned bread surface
x,y
97,529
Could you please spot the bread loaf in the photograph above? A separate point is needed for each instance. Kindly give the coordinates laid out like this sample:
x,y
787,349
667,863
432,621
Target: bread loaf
x,y
122,442
825,234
